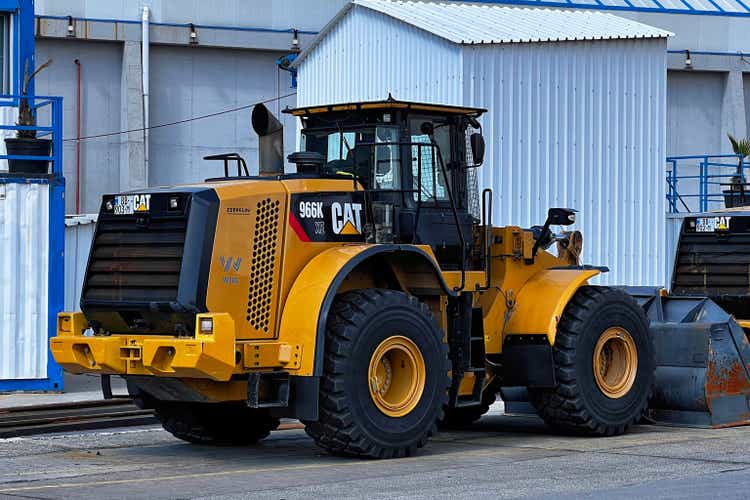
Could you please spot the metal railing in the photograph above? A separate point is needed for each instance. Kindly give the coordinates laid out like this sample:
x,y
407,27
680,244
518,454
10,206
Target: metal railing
x,y
48,110
699,183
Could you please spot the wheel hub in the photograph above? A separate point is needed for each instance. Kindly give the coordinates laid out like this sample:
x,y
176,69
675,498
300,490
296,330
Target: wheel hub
x,y
615,362
396,376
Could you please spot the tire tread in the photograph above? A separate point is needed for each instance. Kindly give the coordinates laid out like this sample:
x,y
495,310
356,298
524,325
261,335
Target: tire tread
x,y
336,430
563,407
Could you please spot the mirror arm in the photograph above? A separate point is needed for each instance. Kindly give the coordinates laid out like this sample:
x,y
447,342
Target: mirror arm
x,y
542,236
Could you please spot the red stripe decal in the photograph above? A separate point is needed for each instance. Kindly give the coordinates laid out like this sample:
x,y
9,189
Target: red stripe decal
x,y
301,234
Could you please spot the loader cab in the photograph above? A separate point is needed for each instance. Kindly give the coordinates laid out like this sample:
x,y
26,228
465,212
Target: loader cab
x,y
414,161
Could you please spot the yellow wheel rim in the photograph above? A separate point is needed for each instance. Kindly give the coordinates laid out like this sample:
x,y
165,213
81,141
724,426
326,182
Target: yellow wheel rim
x,y
396,376
615,362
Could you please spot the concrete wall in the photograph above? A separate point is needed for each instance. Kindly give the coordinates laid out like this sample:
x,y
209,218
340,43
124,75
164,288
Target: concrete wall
x,y
696,32
276,14
694,112
101,65
189,81
726,37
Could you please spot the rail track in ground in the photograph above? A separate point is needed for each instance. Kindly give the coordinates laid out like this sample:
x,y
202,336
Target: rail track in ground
x,y
81,416
68,417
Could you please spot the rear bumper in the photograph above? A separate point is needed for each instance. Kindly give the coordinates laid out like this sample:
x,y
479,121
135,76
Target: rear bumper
x,y
217,355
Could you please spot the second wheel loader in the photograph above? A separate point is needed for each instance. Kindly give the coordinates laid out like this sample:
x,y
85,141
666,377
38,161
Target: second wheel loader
x,y
361,294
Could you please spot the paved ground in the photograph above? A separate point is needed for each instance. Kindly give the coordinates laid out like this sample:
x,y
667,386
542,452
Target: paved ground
x,y
501,457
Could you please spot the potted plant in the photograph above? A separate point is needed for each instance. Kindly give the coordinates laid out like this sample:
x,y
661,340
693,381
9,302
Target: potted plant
x,y
26,143
735,195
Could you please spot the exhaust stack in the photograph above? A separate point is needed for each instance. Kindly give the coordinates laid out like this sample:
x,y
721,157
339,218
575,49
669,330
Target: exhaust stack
x,y
271,141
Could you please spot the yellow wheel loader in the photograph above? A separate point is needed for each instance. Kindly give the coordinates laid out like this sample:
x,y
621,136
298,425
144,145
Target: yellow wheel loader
x,y
363,294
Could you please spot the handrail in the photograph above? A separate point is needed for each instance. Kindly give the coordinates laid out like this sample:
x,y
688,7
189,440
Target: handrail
x,y
699,183
53,129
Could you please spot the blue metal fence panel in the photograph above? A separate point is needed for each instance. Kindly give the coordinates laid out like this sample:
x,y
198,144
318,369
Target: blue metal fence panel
x,y
699,183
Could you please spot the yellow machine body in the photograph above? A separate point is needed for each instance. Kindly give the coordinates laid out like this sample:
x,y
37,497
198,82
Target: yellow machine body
x,y
280,326
245,269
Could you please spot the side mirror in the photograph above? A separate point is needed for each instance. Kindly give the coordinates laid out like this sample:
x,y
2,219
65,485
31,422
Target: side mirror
x,y
477,148
555,217
561,216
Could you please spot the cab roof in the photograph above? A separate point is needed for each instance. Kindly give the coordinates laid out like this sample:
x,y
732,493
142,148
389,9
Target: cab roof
x,y
387,104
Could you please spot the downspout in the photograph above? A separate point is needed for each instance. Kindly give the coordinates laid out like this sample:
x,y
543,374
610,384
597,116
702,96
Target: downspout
x,y
78,136
144,77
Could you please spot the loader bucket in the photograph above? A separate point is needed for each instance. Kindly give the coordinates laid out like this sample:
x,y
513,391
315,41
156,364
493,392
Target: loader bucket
x,y
703,362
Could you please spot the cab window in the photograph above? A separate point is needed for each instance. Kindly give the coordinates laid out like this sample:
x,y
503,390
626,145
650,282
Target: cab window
x,y
372,152
387,172
433,182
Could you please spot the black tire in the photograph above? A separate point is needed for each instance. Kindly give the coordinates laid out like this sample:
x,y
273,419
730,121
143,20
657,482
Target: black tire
x,y
215,423
349,422
456,418
577,405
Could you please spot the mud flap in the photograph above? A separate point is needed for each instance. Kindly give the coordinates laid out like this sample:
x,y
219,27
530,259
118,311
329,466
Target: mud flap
x,y
703,362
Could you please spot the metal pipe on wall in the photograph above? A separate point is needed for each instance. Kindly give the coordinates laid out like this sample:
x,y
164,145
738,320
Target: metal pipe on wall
x,y
78,136
144,77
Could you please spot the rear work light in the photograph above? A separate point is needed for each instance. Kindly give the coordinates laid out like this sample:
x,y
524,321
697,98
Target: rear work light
x,y
207,325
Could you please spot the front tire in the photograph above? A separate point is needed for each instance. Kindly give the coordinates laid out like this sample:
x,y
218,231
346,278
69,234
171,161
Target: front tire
x,y
604,365
215,423
385,376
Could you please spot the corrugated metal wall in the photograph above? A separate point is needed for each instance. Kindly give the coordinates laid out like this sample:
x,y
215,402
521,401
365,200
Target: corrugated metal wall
x,y
79,231
367,56
695,98
578,124
24,243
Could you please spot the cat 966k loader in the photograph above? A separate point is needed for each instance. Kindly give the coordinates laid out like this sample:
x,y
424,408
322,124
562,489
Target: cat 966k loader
x,y
360,294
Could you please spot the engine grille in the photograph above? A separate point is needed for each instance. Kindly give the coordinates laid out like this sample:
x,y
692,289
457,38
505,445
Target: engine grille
x,y
712,264
263,265
135,260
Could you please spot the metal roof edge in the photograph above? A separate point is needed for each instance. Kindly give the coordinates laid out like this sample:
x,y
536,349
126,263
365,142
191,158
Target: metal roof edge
x,y
658,32
322,34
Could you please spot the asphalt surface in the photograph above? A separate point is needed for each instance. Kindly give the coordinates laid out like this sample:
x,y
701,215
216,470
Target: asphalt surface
x,y
500,457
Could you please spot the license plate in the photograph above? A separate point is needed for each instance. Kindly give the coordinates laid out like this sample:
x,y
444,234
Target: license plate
x,y
712,224
132,203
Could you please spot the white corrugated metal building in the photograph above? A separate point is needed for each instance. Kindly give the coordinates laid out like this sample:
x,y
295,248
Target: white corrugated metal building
x,y
576,99
24,252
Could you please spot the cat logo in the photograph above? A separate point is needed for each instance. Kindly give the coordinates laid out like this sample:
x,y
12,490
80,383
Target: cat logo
x,y
142,202
346,218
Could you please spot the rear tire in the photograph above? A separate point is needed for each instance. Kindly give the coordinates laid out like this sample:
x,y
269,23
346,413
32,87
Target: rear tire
x,y
385,376
215,423
604,365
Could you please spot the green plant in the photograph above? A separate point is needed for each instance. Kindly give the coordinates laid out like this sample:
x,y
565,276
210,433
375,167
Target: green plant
x,y
26,116
741,148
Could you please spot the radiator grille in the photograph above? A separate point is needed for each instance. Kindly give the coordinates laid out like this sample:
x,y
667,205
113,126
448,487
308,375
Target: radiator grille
x,y
135,260
263,264
712,264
